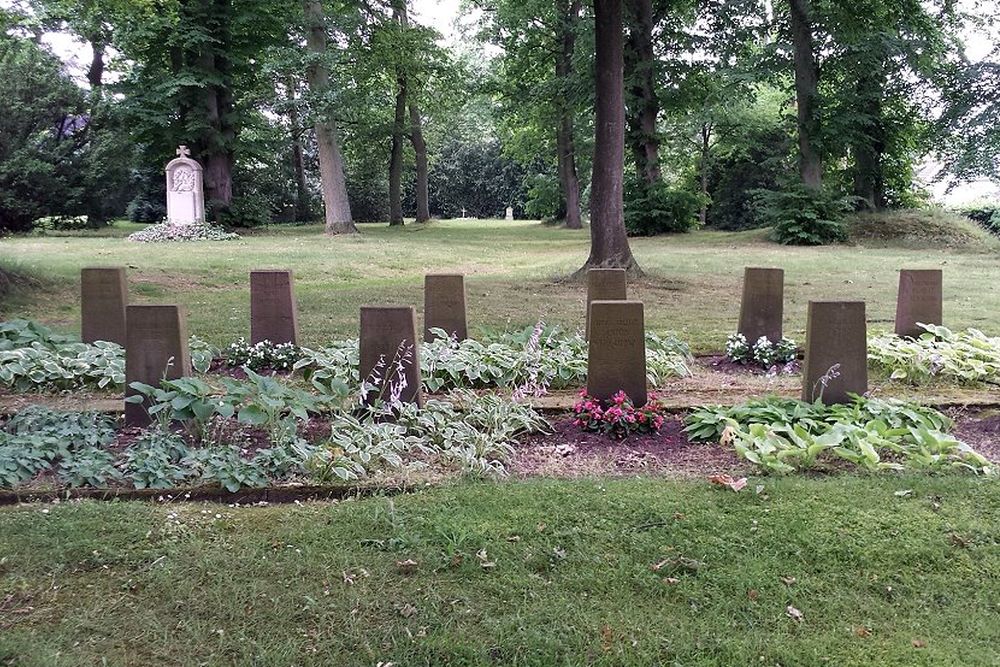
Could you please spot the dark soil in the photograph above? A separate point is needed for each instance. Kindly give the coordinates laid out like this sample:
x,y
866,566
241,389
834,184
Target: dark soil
x,y
220,367
570,452
720,363
981,430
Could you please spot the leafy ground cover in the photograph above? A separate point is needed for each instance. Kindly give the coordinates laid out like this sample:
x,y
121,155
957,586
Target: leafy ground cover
x,y
847,570
514,276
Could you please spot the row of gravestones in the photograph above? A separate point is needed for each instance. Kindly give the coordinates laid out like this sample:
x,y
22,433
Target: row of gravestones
x,y
156,336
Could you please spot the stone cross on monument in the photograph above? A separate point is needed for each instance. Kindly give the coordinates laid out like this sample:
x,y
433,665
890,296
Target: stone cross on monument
x,y
185,194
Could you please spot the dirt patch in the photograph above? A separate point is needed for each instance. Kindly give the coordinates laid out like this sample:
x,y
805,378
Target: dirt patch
x,y
981,429
569,452
720,363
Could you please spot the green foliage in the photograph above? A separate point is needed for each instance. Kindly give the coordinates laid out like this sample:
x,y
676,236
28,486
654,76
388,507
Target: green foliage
x,y
38,367
263,355
784,435
659,209
801,216
477,178
965,357
986,214
23,333
764,353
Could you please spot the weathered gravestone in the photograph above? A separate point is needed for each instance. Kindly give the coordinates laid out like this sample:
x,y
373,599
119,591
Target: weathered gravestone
x,y
604,285
156,348
919,301
762,307
444,305
185,193
103,298
273,315
836,361
509,213
388,342
617,357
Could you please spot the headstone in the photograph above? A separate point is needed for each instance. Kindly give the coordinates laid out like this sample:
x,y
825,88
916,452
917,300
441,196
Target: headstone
x,y
388,336
103,298
617,357
919,301
444,305
156,348
762,307
273,315
604,285
836,361
185,194
463,214
509,213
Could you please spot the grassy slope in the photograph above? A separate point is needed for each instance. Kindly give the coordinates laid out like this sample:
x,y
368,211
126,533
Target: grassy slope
x,y
874,573
693,286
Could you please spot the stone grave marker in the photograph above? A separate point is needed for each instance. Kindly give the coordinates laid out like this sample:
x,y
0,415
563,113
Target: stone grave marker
x,y
185,192
444,305
388,335
617,357
103,298
156,348
762,307
836,336
509,213
919,300
273,314
604,285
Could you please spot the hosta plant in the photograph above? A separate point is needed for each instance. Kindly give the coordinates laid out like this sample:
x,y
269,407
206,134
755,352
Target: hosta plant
x,y
964,357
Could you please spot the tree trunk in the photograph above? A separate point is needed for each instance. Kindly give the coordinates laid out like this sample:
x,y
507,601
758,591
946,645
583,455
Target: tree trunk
x,y
569,181
215,144
420,151
869,144
301,213
806,82
706,144
95,74
608,241
396,154
645,107
336,204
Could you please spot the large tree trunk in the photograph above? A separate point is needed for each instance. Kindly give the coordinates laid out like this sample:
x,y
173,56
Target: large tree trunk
x,y
569,181
215,145
703,166
331,162
645,107
869,143
301,212
396,154
806,81
608,240
420,153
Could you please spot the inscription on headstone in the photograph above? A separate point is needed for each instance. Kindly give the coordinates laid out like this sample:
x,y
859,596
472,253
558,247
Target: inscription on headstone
x,y
444,305
185,192
604,285
103,298
156,348
388,336
273,314
836,361
919,301
762,307
617,357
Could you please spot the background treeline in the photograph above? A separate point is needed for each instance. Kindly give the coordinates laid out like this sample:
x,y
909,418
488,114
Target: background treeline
x,y
739,113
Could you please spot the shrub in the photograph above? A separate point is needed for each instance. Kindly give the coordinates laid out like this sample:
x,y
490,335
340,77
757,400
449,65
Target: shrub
x,y
263,355
763,352
986,214
801,216
618,419
658,209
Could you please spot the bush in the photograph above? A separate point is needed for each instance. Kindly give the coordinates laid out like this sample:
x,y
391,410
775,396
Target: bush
x,y
985,214
801,216
658,209
173,231
618,419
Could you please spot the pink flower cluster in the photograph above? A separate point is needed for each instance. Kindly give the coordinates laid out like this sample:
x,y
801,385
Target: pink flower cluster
x,y
618,418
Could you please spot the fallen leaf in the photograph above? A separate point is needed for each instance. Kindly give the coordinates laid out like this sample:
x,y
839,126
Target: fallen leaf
x,y
407,610
862,631
919,643
541,527
679,516
728,481
514,538
484,560
788,581
794,613
905,493
671,580
753,594
457,560
408,566
607,637
659,566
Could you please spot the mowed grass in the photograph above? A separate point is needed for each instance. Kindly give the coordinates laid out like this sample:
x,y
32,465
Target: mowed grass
x,y
885,571
515,276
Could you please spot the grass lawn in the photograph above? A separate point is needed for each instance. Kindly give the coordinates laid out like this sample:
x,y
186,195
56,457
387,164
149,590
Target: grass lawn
x,y
881,577
513,276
